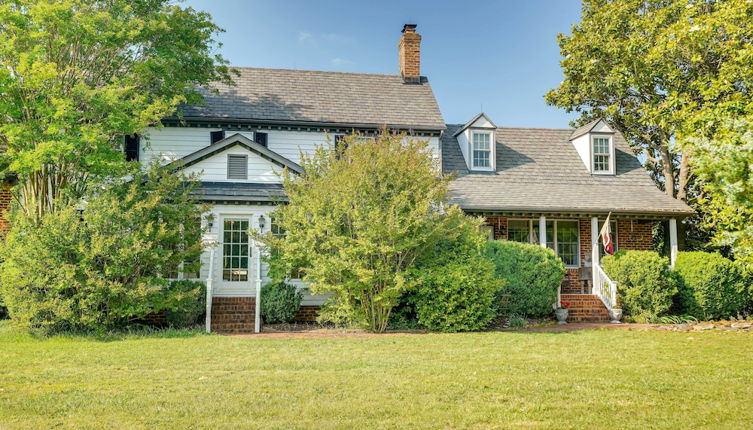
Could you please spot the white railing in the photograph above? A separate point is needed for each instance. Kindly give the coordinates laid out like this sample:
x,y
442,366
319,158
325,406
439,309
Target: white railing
x,y
208,320
605,288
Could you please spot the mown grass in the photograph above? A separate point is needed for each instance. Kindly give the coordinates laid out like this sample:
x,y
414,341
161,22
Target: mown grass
x,y
587,380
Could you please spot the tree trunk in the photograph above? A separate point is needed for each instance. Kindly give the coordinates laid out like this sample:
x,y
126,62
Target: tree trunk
x,y
684,177
668,171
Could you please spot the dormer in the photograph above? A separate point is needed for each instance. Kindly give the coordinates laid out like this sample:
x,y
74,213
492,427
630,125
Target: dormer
x,y
477,143
595,145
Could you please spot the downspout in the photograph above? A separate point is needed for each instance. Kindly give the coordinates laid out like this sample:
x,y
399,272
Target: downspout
x,y
257,312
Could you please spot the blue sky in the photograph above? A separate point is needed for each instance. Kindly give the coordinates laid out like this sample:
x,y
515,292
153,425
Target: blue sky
x,y
497,56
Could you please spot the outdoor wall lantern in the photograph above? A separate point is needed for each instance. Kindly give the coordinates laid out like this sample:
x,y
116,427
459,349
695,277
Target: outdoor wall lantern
x,y
262,222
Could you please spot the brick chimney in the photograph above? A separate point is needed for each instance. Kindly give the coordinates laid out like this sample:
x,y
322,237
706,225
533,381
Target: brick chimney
x,y
409,51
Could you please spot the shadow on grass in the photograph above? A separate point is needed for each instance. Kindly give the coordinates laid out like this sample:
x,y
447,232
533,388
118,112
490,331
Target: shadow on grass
x,y
10,333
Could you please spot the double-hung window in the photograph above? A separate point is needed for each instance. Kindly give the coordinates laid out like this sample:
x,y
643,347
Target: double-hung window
x,y
563,236
602,155
482,150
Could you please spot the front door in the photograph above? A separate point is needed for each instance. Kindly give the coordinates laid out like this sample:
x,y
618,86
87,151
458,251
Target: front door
x,y
234,271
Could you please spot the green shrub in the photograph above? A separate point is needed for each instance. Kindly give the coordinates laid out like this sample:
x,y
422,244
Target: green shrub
x,y
711,287
457,288
102,268
184,302
531,277
645,285
279,302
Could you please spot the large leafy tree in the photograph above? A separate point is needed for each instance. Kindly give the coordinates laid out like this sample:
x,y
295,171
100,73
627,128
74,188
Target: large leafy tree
x,y
358,219
655,69
77,75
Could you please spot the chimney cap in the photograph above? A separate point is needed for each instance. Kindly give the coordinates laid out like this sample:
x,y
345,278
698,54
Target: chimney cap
x,y
410,28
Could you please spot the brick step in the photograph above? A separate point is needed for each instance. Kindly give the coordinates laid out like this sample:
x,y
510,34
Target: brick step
x,y
233,308
232,328
585,308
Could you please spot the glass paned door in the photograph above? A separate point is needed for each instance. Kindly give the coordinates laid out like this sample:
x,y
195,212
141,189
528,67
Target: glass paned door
x,y
235,249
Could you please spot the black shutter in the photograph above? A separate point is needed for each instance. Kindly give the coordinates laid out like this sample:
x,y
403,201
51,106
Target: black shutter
x,y
340,145
216,136
132,147
261,138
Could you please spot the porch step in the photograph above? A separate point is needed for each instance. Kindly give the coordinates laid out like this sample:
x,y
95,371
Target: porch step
x,y
585,308
233,315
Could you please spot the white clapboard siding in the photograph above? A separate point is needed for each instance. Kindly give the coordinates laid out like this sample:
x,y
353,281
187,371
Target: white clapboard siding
x,y
172,143
214,168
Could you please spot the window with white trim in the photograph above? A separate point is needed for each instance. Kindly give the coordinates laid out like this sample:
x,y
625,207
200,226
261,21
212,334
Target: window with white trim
x,y
482,150
602,154
563,236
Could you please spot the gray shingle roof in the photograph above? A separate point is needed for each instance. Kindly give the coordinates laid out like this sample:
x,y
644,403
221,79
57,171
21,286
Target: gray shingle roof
x,y
540,170
323,97
240,192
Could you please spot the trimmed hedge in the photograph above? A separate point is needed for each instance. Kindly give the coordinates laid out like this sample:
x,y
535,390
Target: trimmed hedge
x,y
455,287
711,287
279,302
531,276
645,285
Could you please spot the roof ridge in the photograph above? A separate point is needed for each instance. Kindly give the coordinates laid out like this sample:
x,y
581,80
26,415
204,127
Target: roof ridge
x,y
519,128
316,71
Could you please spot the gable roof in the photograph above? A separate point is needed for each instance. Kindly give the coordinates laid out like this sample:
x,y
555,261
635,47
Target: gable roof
x,y
472,121
236,139
304,96
586,128
540,170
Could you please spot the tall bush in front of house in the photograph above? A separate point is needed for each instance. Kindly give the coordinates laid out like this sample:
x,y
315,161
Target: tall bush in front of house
x,y
531,276
645,285
105,263
184,301
358,219
457,289
711,286
279,302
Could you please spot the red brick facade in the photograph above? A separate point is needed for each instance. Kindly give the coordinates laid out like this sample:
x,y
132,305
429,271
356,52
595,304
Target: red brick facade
x,y
631,234
307,314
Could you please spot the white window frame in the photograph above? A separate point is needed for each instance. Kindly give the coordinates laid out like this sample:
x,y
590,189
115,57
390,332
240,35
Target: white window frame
x,y
490,151
488,230
610,154
534,223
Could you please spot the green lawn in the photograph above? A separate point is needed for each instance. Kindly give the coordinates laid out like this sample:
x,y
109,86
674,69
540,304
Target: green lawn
x,y
587,379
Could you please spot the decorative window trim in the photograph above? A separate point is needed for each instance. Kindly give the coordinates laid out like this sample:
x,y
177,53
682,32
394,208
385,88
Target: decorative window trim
x,y
489,150
610,154
533,223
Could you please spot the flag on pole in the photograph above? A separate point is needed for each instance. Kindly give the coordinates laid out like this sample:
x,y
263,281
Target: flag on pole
x,y
606,236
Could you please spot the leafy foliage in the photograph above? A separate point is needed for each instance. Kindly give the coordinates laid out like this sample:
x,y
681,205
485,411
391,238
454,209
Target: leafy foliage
x,y
184,301
359,217
645,285
458,289
104,266
78,75
661,71
279,302
531,276
711,287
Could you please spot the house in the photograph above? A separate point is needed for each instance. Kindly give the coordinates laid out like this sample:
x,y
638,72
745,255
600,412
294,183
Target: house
x,y
552,187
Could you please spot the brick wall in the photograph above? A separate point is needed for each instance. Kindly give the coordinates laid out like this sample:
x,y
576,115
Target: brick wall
x,y
307,314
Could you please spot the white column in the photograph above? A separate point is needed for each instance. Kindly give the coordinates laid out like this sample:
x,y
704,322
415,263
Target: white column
x,y
542,231
673,248
257,316
594,250
208,320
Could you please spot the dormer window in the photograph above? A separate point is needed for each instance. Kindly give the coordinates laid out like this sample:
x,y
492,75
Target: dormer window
x,y
601,152
481,150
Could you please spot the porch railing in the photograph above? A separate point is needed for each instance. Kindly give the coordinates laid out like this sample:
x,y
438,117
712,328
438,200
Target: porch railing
x,y
605,288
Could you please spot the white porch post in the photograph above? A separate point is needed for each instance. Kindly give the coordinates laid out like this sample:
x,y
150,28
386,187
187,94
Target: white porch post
x,y
208,320
542,231
594,250
673,242
257,312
